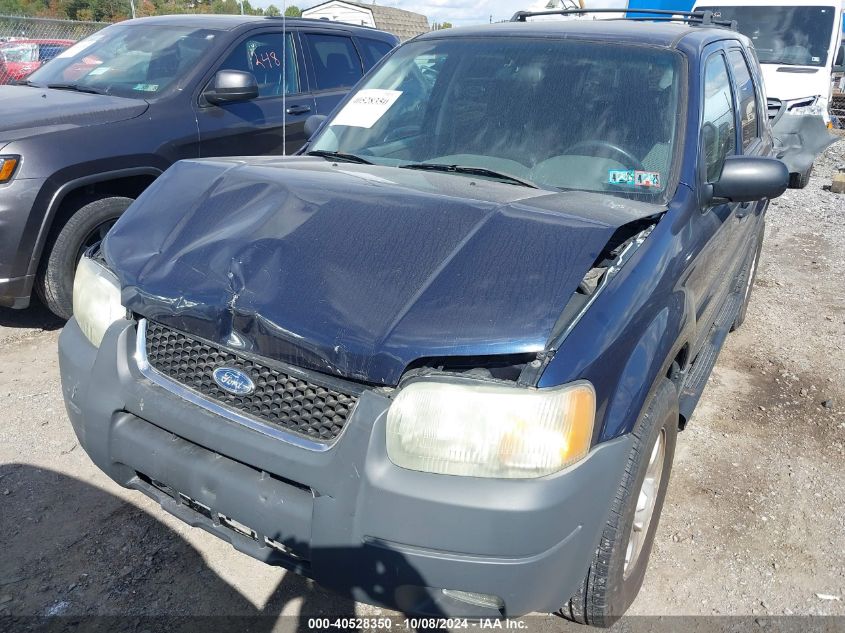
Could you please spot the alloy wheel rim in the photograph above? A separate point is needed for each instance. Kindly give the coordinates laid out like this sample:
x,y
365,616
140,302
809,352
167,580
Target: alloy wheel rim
x,y
646,504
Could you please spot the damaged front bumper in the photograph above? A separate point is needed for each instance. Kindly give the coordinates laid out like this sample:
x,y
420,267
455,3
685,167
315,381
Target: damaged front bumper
x,y
346,517
799,139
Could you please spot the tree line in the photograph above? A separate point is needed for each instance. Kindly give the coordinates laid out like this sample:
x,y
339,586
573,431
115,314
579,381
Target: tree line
x,y
117,10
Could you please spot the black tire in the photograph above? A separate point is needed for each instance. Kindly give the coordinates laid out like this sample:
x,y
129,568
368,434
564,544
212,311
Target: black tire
x,y
747,280
799,181
608,589
54,282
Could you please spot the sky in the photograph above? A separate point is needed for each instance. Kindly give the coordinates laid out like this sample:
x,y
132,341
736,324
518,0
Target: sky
x,y
458,12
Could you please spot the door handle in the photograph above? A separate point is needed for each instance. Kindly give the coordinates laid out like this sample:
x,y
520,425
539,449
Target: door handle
x,y
298,109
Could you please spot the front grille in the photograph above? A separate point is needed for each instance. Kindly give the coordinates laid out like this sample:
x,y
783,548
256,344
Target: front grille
x,y
773,106
281,400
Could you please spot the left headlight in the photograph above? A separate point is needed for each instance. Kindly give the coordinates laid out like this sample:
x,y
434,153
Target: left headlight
x,y
96,299
480,429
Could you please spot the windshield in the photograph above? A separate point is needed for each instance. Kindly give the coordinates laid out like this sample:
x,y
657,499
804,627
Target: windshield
x,y
555,113
128,60
790,36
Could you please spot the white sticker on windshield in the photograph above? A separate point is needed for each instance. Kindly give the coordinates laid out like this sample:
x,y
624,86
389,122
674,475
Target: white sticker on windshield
x,y
99,71
79,47
366,107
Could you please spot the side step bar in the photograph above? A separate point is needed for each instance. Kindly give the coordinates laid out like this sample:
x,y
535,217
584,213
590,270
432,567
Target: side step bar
x,y
699,372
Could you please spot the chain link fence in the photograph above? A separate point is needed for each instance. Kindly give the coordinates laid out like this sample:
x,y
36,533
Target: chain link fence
x,y
837,101
26,44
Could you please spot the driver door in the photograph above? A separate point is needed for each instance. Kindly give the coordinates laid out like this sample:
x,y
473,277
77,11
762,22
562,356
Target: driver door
x,y
273,123
716,228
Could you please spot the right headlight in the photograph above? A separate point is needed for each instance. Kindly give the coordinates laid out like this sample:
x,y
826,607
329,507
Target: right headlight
x,y
481,429
96,299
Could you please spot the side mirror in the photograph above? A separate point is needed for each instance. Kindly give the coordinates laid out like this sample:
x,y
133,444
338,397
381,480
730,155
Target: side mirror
x,y
313,123
750,178
231,86
839,63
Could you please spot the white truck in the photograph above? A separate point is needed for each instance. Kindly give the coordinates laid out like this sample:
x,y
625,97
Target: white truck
x,y
799,44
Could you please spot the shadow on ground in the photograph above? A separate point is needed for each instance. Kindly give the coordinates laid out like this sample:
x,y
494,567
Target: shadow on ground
x,y
74,551
35,316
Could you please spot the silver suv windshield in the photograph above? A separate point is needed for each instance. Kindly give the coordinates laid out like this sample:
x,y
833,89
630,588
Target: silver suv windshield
x,y
140,61
789,36
565,114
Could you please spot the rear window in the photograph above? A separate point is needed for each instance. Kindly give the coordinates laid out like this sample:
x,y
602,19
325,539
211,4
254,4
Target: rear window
x,y
373,50
335,60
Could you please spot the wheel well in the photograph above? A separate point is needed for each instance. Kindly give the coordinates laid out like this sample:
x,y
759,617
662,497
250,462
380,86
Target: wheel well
x,y
677,371
127,186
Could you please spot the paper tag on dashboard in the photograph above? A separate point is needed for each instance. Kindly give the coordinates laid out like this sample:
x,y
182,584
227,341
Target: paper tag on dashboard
x,y
366,108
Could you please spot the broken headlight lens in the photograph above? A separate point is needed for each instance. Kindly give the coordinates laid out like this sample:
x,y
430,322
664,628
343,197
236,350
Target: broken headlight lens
x,y
811,106
481,429
96,299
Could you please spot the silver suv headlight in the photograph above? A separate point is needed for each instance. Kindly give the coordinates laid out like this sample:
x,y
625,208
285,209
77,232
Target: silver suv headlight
x,y
96,299
480,429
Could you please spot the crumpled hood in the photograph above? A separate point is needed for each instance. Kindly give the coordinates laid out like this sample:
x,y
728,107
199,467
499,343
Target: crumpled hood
x,y
27,111
356,270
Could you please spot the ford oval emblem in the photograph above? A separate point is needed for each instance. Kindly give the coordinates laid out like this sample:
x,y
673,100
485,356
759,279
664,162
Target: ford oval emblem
x,y
233,380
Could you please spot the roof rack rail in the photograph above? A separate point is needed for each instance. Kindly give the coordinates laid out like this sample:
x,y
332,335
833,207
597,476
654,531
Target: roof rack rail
x,y
702,18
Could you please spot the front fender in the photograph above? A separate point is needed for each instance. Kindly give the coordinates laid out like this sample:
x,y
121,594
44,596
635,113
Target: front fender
x,y
634,330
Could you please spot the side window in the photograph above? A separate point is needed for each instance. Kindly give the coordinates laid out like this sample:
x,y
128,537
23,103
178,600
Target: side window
x,y
718,127
336,62
271,59
373,51
746,97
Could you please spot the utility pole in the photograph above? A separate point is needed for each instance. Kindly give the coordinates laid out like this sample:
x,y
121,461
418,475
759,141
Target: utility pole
x,y
132,6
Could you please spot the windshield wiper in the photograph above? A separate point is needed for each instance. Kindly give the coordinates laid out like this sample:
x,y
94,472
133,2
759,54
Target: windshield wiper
x,y
472,171
77,88
349,158
27,82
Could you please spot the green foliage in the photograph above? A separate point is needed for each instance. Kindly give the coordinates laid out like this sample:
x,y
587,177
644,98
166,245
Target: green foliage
x,y
293,11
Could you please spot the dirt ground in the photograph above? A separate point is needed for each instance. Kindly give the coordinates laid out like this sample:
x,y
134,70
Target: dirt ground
x,y
754,522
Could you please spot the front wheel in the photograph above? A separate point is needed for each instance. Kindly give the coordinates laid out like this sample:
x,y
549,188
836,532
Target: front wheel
x,y
85,228
618,567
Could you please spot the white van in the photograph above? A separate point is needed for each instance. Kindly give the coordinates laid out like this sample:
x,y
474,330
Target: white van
x,y
798,42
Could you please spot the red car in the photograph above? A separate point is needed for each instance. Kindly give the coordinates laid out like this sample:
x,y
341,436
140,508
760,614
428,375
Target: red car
x,y
19,58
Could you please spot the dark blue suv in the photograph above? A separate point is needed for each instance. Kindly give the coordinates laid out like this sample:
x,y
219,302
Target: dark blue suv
x,y
439,361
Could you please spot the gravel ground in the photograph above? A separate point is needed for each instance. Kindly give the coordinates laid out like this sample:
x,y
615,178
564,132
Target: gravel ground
x,y
753,523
